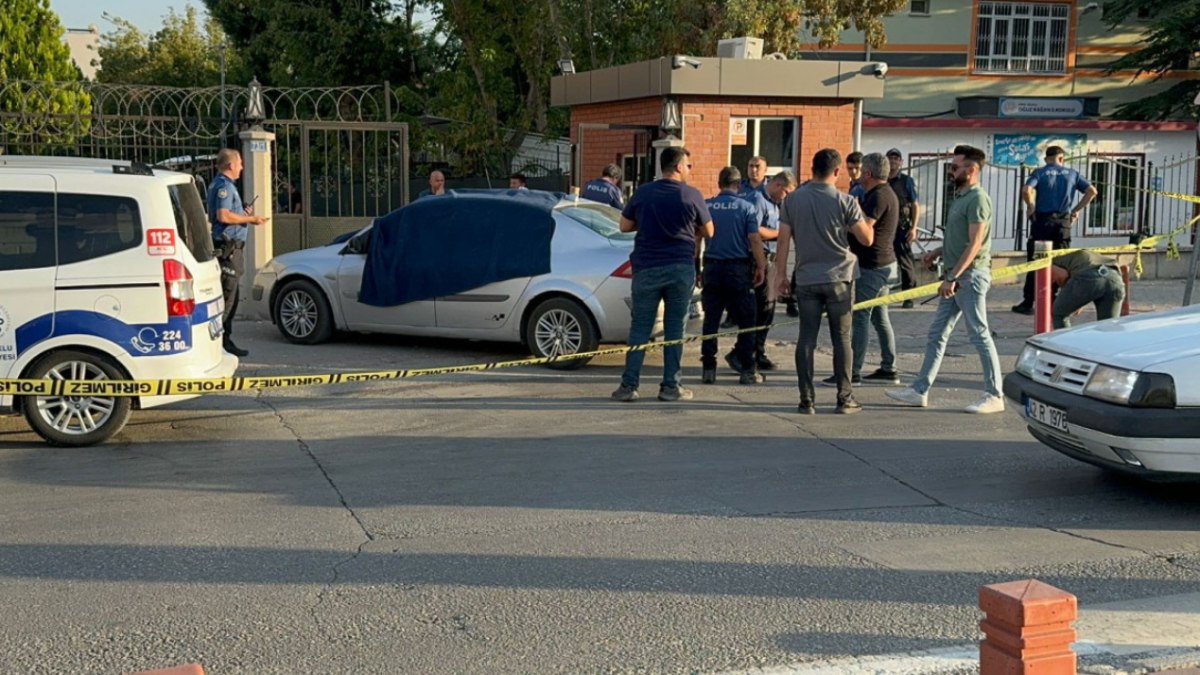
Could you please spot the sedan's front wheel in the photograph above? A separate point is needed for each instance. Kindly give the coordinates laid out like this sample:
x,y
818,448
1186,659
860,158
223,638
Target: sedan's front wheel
x,y
302,313
561,327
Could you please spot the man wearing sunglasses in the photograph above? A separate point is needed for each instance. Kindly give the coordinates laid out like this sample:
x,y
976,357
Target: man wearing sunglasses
x,y
669,217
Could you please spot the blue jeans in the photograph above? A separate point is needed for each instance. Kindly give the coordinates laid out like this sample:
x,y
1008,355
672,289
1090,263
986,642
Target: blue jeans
x,y
873,284
1099,285
671,285
970,303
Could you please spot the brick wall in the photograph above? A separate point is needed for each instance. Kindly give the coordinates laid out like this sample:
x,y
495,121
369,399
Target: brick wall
x,y
601,147
823,123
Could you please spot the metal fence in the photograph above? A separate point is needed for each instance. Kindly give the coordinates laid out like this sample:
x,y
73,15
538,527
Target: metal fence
x,y
1127,201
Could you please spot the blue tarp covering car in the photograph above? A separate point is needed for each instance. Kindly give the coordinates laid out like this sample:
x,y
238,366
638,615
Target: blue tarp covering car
x,y
443,245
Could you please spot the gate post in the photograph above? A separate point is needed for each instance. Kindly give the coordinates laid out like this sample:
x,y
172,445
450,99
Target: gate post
x,y
256,184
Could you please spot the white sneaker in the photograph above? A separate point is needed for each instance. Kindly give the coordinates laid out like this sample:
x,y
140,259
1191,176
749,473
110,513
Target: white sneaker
x,y
986,405
909,396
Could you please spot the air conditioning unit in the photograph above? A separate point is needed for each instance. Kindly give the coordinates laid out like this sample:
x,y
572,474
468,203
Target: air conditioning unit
x,y
740,48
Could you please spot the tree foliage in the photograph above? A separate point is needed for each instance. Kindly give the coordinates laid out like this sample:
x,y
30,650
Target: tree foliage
x,y
31,48
186,52
1171,44
324,42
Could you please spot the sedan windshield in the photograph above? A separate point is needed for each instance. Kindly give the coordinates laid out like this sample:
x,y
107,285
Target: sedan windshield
x,y
599,218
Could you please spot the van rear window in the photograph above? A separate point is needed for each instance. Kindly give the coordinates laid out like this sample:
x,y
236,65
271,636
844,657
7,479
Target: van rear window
x,y
190,220
93,226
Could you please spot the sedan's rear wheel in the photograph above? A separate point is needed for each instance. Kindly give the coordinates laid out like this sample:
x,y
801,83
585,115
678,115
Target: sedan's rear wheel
x,y
561,327
74,421
302,313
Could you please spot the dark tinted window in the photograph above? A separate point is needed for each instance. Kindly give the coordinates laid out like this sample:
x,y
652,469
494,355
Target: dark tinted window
x,y
190,220
92,226
26,230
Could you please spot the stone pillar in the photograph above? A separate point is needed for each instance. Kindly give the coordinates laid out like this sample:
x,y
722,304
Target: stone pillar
x,y
660,145
1028,629
257,146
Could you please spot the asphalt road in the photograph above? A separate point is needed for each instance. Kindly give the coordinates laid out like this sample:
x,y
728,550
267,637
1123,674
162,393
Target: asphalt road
x,y
518,521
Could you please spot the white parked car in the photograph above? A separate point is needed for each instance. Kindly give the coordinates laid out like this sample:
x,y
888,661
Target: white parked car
x,y
581,301
1122,394
106,273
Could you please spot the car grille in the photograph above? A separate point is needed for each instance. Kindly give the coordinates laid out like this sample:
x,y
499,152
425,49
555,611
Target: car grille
x,y
1062,372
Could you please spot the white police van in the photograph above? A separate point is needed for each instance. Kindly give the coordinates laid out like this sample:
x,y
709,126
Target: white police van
x,y
106,272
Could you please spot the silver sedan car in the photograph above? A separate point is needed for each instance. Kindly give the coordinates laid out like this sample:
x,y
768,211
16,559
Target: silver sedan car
x,y
584,301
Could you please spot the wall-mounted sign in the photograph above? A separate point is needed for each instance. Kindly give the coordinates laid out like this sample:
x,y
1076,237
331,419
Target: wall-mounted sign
x,y
1030,149
1041,108
737,130
258,146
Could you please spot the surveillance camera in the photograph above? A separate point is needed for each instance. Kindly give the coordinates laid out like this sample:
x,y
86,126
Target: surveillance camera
x,y
880,70
679,60
1090,7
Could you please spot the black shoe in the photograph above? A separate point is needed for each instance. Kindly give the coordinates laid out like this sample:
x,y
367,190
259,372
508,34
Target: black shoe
x,y
806,408
727,324
882,376
765,363
849,407
1023,309
831,381
709,376
908,304
792,310
751,377
234,349
734,362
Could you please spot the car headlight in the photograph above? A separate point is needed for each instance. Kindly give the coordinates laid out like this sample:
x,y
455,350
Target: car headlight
x,y
1111,384
1027,361
1153,390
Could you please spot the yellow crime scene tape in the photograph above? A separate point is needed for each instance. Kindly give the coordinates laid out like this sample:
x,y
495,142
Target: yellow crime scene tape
x,y
195,387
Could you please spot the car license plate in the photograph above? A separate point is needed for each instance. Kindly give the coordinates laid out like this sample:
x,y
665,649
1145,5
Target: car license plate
x,y
1046,414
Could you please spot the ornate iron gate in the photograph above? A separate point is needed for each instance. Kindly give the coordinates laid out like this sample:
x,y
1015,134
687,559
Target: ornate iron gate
x,y
340,160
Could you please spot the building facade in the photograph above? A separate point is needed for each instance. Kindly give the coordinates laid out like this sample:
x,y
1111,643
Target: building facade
x,y
724,110
1013,78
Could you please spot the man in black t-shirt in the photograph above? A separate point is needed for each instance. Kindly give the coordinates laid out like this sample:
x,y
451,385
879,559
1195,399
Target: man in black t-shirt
x,y
877,271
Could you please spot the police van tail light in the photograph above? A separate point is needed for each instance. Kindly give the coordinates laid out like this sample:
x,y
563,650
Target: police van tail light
x,y
181,292
625,271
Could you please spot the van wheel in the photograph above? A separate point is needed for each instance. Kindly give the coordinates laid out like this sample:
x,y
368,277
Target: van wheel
x,y
559,327
303,314
75,421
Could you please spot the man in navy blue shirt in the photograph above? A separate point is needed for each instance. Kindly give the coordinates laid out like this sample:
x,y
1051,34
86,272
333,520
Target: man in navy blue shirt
x,y
766,201
734,264
229,219
604,189
910,220
670,217
1051,214
437,184
854,171
756,174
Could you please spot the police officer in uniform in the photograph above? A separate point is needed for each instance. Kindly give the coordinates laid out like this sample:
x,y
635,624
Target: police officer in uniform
x,y
1050,214
606,189
229,219
910,220
766,199
734,264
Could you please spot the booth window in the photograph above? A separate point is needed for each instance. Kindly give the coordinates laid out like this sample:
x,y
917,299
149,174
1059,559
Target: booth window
x,y
775,138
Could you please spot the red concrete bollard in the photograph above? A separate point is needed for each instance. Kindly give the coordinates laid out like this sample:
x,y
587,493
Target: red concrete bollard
x,y
190,669
1125,279
1043,294
1028,629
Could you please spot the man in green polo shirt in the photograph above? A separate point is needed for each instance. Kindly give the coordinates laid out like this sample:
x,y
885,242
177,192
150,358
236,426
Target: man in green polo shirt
x,y
1086,277
967,254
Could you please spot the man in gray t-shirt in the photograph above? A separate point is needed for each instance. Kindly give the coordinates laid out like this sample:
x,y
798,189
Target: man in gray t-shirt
x,y
821,219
